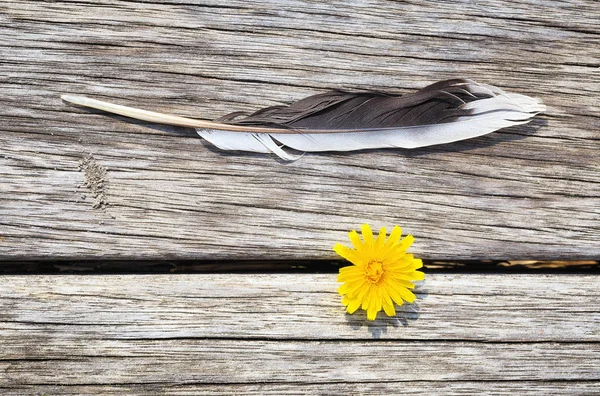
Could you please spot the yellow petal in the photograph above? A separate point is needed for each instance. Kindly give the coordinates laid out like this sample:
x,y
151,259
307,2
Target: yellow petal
x,y
398,263
349,268
355,239
351,276
378,300
417,263
417,275
345,300
394,253
398,293
371,313
352,288
406,294
353,306
388,305
367,298
396,297
355,288
379,242
407,265
367,234
347,253
399,275
403,283
394,237
344,288
406,242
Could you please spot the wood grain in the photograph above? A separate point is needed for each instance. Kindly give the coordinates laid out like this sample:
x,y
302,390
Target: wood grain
x,y
273,334
531,192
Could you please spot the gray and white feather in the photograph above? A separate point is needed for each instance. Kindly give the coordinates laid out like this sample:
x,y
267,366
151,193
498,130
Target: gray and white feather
x,y
444,112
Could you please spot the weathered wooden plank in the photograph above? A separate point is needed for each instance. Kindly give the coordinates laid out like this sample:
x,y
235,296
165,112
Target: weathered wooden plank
x,y
250,361
516,308
184,334
527,192
589,388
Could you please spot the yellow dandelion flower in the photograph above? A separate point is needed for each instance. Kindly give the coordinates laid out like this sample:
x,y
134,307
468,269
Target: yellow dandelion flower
x,y
381,274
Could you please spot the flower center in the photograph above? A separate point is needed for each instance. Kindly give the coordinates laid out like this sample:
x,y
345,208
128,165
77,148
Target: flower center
x,y
374,270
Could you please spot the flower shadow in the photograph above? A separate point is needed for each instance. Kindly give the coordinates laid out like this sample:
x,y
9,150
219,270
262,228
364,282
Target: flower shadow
x,y
405,314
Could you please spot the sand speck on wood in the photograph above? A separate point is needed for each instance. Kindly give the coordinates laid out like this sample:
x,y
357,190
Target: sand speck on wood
x,y
95,180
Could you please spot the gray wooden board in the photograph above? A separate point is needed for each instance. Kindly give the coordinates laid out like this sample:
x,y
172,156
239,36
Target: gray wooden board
x,y
525,192
288,333
357,388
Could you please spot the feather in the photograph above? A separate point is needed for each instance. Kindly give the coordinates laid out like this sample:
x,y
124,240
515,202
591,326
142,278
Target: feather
x,y
444,112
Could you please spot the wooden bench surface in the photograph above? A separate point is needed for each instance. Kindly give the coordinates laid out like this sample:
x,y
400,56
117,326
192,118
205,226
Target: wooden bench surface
x,y
81,185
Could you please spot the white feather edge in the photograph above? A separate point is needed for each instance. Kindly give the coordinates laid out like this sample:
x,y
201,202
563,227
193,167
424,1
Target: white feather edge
x,y
489,115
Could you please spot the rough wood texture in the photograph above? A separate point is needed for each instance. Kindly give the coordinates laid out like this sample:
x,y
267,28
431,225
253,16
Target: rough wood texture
x,y
259,334
526,192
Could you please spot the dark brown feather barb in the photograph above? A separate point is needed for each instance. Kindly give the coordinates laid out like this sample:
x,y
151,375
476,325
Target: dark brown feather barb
x,y
444,112
436,103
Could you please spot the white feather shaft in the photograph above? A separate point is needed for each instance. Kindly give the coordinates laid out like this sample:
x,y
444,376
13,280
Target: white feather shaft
x,y
158,118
